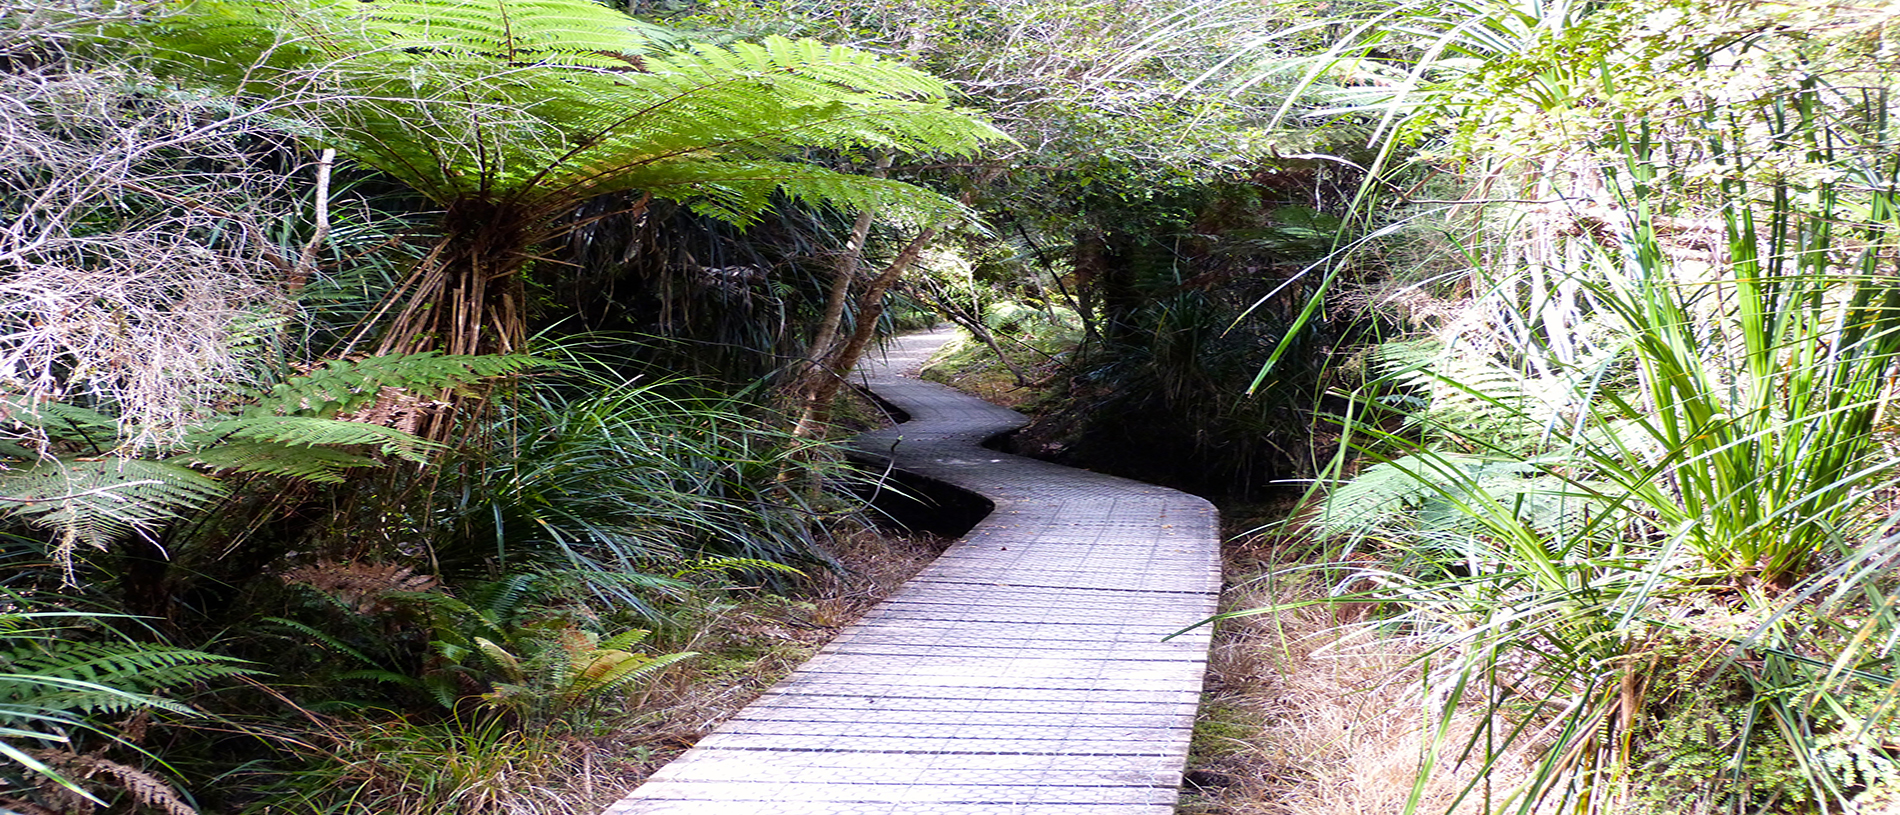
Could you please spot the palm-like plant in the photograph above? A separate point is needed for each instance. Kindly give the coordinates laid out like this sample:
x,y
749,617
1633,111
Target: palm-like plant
x,y
510,114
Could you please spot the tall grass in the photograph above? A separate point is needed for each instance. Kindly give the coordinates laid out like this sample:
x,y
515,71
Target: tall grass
x,y
1631,500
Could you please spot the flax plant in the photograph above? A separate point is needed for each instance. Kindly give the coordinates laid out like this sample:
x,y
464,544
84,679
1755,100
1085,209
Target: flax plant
x,y
1743,456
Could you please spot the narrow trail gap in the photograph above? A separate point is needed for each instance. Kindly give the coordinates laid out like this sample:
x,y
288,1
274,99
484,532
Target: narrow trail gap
x,y
1023,672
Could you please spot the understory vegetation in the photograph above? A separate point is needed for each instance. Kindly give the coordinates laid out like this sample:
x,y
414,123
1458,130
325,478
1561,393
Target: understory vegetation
x,y
431,405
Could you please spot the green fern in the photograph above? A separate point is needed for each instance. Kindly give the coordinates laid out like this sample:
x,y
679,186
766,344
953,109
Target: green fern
x,y
342,385
1447,493
55,688
59,421
566,666
305,463
98,501
306,431
105,678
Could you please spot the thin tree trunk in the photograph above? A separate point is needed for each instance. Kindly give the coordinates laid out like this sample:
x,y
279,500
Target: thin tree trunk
x,y
820,386
840,293
973,323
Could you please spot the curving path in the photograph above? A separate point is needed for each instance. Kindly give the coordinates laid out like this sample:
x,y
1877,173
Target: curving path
x,y
1023,672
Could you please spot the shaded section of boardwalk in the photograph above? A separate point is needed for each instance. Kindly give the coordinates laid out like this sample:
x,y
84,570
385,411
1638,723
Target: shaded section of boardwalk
x,y
1023,672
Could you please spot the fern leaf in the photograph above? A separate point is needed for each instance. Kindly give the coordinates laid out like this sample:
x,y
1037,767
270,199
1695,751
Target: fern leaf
x,y
340,385
497,656
608,670
310,431
625,640
316,464
99,501
61,421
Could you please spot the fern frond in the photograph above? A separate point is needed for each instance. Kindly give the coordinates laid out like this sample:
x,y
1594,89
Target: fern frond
x,y
343,385
519,32
1438,493
309,431
625,640
606,670
498,657
575,102
318,464
104,678
61,421
99,501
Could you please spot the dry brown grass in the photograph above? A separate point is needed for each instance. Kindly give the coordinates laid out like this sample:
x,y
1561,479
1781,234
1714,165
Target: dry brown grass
x,y
1324,714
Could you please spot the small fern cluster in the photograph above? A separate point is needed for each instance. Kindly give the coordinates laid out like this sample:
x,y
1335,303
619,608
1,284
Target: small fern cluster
x,y
504,643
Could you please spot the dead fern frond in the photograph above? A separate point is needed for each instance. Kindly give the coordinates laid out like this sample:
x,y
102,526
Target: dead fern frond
x,y
366,586
147,789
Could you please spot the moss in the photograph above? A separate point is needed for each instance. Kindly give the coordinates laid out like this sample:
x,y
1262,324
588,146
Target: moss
x,y
1221,730
1719,742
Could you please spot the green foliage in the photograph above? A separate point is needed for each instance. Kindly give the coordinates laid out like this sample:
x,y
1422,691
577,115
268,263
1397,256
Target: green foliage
x,y
99,501
73,472
1428,494
1688,339
521,646
1702,726
346,385
706,125
613,477
697,124
57,685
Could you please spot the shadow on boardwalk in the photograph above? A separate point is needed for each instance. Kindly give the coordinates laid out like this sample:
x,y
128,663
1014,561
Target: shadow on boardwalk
x,y
1022,672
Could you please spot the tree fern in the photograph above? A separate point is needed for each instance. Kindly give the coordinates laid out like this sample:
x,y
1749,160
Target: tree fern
x,y
573,102
1442,492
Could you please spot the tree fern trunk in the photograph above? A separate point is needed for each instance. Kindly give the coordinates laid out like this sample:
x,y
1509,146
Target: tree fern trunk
x,y
466,297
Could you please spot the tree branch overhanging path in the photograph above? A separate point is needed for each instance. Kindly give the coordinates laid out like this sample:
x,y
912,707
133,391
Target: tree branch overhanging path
x,y
1023,672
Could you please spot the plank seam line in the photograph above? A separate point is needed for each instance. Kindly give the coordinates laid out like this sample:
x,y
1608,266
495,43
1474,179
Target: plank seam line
x,y
921,752
927,582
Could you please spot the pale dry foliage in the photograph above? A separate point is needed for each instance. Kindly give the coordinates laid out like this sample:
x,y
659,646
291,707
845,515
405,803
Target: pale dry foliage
x,y
138,265
1339,717
146,789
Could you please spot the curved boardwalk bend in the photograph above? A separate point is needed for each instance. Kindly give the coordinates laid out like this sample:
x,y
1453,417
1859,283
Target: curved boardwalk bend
x,y
1022,673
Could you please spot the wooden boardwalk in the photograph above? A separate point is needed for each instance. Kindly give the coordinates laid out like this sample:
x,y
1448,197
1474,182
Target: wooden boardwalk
x,y
1023,672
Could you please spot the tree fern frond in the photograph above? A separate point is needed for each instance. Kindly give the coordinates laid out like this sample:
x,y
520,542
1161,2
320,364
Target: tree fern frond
x,y
520,32
1438,493
61,421
343,385
310,431
317,464
82,678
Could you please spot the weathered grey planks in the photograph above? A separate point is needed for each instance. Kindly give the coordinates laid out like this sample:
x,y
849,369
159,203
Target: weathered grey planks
x,y
1022,672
